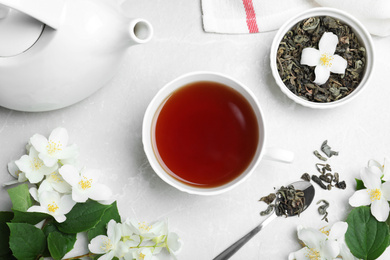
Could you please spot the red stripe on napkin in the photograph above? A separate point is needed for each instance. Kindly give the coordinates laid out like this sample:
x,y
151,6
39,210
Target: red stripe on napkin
x,y
250,16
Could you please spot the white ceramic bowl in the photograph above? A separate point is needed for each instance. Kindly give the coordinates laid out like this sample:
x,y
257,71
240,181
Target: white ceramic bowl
x,y
361,33
150,121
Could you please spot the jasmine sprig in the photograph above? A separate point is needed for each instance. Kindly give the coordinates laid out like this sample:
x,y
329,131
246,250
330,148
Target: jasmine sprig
x,y
69,200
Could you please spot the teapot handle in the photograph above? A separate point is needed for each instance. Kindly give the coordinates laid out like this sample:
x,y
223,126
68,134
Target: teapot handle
x,y
48,12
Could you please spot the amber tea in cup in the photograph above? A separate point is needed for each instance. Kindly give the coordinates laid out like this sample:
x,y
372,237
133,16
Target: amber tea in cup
x,y
205,134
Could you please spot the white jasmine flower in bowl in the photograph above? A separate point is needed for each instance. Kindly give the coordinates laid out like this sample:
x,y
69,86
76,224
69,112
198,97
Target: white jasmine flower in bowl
x,y
324,59
33,167
54,204
376,194
55,148
85,184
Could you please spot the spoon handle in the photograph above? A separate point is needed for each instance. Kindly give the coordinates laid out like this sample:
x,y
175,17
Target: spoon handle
x,y
230,251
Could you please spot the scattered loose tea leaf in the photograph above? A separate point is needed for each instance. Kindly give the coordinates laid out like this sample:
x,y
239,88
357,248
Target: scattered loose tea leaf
x,y
317,180
327,149
327,177
323,209
268,211
319,156
305,176
336,177
268,199
322,168
341,185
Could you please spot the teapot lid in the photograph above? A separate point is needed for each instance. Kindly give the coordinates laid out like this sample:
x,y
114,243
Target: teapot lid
x,y
18,31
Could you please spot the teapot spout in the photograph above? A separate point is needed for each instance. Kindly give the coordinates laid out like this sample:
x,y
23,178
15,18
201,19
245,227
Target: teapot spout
x,y
140,31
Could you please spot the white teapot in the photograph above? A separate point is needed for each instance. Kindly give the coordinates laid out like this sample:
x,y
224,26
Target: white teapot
x,y
54,53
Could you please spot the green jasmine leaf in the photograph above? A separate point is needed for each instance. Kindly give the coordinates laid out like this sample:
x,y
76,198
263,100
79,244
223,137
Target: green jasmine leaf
x,y
359,184
26,241
83,217
20,197
4,233
366,237
101,227
58,242
29,217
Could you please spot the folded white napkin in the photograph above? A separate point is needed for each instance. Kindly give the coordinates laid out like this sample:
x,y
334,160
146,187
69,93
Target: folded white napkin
x,y
249,16
252,16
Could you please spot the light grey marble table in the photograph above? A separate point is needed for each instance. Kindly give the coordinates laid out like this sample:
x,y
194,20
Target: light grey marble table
x,y
107,128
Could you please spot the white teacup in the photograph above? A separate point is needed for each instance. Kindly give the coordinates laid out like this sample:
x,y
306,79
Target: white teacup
x,y
152,113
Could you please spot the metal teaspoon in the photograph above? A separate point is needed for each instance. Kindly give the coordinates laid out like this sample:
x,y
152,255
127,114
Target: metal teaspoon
x,y
308,191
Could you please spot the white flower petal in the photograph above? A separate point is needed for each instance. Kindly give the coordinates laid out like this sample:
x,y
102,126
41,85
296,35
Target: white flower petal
x,y
109,256
34,193
68,152
322,74
301,254
22,177
374,163
45,186
375,170
311,237
380,209
23,163
48,160
79,196
386,190
338,230
345,253
59,135
8,183
47,197
97,244
370,179
114,231
37,209
91,173
34,176
70,174
62,187
310,57
328,43
13,169
360,198
100,192
59,218
121,250
330,250
338,65
174,243
386,171
66,203
39,142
